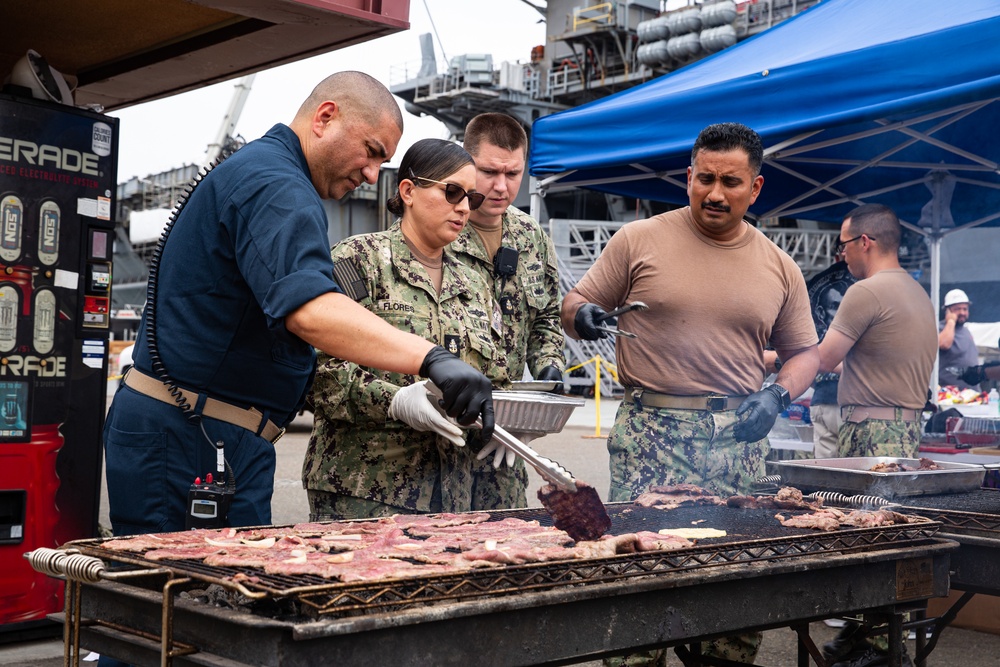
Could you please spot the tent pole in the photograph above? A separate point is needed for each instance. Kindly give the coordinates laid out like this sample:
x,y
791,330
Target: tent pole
x,y
934,240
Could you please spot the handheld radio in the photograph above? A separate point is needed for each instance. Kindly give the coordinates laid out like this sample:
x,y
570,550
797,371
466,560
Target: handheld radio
x,y
208,504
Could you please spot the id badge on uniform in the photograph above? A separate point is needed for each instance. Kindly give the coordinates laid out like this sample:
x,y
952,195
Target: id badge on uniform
x,y
497,320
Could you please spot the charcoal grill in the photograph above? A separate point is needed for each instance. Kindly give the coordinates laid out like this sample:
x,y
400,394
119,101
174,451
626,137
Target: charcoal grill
x,y
546,613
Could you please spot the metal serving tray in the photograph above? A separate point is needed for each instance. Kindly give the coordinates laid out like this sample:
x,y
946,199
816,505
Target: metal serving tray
x,y
855,475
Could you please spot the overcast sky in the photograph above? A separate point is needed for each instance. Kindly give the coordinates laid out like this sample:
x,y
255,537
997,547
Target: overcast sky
x,y
161,135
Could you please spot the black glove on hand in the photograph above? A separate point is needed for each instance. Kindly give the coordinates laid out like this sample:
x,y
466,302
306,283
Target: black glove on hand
x,y
550,374
757,413
972,374
976,374
587,320
467,392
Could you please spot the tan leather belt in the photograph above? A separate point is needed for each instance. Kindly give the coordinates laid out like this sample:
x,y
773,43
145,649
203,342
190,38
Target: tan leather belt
x,y
250,419
712,403
855,414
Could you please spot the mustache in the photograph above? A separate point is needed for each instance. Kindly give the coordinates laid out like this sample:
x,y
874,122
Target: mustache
x,y
722,208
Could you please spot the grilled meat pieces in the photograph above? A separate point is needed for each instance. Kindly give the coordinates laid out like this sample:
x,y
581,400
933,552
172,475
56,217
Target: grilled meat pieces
x,y
580,514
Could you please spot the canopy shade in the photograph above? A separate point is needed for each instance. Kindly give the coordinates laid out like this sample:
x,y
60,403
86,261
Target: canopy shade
x,y
857,101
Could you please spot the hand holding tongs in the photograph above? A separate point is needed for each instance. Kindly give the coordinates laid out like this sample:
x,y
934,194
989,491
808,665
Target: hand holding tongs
x,y
635,305
550,470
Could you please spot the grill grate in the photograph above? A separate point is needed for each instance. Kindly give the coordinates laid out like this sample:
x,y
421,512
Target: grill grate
x,y
976,512
753,535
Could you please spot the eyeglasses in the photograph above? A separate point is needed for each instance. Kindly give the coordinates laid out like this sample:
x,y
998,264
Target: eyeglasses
x,y
842,245
453,194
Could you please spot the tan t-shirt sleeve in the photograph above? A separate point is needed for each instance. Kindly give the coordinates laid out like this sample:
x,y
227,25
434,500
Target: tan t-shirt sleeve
x,y
857,311
607,282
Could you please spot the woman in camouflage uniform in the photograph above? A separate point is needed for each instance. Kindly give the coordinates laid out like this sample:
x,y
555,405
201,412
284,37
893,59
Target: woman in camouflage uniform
x,y
378,446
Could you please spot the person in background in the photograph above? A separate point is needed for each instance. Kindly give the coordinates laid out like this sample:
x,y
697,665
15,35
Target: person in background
x,y
824,411
718,290
955,342
379,446
241,295
512,252
882,341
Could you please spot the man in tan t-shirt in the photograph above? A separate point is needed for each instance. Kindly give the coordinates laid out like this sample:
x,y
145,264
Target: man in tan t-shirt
x,y
718,291
883,340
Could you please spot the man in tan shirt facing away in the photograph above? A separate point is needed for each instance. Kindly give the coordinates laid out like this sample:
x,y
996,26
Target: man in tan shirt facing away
x,y
884,338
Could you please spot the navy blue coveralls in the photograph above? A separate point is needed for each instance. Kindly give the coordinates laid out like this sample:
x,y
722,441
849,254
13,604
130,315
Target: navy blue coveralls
x,y
249,247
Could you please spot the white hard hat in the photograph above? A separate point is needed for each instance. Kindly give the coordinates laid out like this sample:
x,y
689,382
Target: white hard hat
x,y
955,296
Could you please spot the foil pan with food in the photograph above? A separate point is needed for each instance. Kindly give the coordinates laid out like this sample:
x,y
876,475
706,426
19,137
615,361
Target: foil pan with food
x,y
884,476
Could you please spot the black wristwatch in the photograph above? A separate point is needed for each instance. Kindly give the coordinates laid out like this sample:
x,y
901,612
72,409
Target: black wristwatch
x,y
783,395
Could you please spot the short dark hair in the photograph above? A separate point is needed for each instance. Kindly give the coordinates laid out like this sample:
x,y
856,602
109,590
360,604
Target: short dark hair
x,y
498,129
429,158
729,137
879,222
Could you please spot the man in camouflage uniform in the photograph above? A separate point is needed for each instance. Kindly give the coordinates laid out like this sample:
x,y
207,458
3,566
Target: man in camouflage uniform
x,y
512,252
718,291
359,462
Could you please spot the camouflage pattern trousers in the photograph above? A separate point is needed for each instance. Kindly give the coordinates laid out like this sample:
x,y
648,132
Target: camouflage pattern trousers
x,y
326,506
879,437
658,446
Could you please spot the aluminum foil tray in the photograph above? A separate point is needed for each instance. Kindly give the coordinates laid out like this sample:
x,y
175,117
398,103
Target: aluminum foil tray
x,y
534,385
533,412
854,475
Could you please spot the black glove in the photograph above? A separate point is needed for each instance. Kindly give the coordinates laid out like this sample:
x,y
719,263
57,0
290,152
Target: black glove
x,y
467,392
587,319
971,374
975,374
757,413
550,374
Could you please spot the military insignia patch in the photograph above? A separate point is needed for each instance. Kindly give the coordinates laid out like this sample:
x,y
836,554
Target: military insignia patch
x,y
348,276
507,304
453,344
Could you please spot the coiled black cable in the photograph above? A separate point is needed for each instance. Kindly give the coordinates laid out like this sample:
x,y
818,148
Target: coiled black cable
x,y
159,368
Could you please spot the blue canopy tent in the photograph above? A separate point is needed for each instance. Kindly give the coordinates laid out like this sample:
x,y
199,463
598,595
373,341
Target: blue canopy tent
x,y
891,101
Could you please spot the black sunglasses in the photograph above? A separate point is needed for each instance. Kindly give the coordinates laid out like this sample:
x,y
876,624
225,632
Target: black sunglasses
x,y
842,245
453,194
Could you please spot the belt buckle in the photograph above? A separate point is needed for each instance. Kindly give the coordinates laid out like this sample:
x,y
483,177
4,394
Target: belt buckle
x,y
716,403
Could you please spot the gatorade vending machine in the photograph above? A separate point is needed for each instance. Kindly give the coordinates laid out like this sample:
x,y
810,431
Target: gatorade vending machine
x,y
58,177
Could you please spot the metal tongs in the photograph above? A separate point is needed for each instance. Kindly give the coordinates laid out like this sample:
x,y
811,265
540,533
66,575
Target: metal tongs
x,y
549,470
635,305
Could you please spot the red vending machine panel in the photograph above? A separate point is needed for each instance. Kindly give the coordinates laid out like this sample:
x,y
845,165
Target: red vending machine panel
x,y
57,182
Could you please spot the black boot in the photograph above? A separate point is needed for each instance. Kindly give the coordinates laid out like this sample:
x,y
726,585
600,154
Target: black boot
x,y
849,640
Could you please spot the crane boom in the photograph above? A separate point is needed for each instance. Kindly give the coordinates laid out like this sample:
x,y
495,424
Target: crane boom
x,y
240,94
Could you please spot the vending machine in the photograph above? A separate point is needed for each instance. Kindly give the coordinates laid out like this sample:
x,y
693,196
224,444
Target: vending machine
x,y
58,177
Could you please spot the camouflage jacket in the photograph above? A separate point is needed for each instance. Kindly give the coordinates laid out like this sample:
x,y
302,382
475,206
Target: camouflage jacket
x,y
527,303
355,448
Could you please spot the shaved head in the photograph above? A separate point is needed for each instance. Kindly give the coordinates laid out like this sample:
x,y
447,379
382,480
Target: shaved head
x,y
359,95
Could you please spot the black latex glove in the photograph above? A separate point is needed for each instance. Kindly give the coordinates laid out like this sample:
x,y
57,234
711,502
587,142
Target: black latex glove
x,y
972,374
552,374
976,374
467,392
757,414
587,319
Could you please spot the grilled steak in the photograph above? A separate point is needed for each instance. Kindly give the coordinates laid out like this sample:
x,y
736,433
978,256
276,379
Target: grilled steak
x,y
678,495
787,498
580,514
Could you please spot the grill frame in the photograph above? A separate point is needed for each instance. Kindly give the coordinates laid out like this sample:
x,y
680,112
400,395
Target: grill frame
x,y
323,597
698,594
534,628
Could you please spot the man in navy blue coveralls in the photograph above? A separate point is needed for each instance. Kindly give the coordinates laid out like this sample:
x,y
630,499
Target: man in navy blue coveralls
x,y
244,292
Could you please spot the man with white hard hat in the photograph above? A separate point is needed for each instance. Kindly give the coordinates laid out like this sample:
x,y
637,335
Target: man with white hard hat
x,y
957,349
